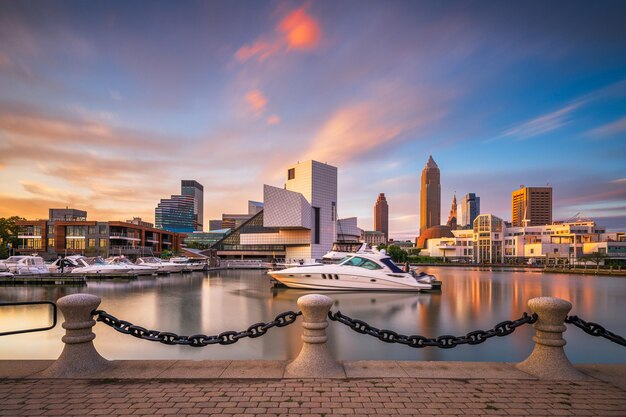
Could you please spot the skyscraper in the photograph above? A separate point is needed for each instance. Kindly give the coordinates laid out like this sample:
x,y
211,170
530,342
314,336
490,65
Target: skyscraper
x,y
430,199
196,190
176,214
452,216
381,215
470,208
531,206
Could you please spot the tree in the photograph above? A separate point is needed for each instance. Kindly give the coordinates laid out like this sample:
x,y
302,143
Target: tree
x,y
8,234
596,258
396,253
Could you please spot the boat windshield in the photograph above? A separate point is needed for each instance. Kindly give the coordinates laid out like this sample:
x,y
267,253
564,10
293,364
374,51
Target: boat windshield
x,y
362,263
94,261
151,260
394,268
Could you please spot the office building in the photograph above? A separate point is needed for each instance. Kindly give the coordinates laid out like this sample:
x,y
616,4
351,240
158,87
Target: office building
x,y
430,196
470,208
69,232
176,214
381,215
215,225
373,238
347,230
196,190
254,207
531,206
232,221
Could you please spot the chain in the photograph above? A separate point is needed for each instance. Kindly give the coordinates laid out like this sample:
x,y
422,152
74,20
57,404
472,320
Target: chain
x,y
444,342
595,329
196,340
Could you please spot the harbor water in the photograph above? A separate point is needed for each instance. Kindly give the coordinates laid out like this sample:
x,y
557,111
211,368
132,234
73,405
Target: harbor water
x,y
214,302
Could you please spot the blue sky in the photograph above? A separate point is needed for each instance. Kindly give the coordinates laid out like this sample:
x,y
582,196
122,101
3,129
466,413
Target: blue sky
x,y
106,106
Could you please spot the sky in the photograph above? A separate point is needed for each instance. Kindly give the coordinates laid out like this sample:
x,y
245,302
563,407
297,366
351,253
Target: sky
x,y
107,105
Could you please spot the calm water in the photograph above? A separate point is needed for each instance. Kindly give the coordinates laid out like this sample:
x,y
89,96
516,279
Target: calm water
x,y
232,300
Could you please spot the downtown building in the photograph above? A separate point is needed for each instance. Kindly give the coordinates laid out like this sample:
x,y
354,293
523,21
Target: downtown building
x,y
381,216
182,213
490,241
196,190
298,221
470,209
531,206
67,231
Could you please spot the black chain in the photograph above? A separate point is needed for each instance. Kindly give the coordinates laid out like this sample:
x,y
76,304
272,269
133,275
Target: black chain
x,y
196,340
595,329
444,342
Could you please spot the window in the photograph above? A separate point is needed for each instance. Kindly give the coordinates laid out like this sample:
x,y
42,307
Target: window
x,y
389,263
51,229
103,243
103,230
51,242
316,226
91,243
333,213
92,230
291,174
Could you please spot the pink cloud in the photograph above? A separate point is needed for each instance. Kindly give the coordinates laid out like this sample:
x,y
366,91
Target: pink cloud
x,y
256,100
273,120
615,127
297,30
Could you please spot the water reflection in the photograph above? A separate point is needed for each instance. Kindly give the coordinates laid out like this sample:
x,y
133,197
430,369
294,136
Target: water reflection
x,y
233,300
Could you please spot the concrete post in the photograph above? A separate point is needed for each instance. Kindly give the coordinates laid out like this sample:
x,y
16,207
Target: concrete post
x,y
79,356
548,359
314,360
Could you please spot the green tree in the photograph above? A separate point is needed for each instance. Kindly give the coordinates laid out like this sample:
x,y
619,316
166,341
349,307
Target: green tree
x,y
398,254
8,234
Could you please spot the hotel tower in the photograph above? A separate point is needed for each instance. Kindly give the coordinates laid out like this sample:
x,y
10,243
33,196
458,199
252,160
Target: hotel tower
x,y
430,199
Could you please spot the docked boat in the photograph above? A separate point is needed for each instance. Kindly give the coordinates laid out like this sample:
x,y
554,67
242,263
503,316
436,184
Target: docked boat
x,y
134,268
360,271
342,249
67,264
97,265
25,265
161,265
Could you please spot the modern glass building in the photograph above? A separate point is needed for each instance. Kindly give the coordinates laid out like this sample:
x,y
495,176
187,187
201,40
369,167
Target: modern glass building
x,y
196,190
176,214
470,209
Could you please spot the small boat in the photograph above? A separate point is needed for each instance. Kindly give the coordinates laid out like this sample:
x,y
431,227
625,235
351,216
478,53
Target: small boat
x,y
135,269
67,264
359,271
25,265
161,266
97,265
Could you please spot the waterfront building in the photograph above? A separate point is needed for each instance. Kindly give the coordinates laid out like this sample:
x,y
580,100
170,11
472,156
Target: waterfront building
x,y
470,208
451,223
204,240
139,222
196,190
434,232
347,230
176,214
233,221
381,215
297,222
66,234
430,196
215,225
373,238
561,243
531,206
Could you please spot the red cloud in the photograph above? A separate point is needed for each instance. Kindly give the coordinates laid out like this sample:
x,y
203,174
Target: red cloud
x,y
300,29
297,30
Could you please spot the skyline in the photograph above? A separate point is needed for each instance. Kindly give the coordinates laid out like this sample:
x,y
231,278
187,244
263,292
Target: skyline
x,y
106,107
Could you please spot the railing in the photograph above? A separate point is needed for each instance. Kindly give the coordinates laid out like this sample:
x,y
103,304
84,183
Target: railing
x,y
547,361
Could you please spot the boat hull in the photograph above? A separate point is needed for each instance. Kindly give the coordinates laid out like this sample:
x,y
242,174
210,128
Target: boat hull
x,y
347,282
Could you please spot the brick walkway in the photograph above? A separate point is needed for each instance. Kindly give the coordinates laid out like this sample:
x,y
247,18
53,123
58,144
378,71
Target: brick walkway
x,y
320,398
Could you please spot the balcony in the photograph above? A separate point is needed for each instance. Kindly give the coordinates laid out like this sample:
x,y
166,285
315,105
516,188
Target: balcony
x,y
125,236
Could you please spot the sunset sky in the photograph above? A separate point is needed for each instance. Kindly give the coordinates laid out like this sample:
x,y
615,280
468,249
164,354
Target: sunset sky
x,y
106,106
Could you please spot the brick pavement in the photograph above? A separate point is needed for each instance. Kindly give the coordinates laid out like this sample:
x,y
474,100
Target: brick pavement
x,y
310,397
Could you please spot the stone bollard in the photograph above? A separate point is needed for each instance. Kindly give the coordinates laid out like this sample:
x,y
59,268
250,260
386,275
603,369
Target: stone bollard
x,y
314,360
548,359
79,356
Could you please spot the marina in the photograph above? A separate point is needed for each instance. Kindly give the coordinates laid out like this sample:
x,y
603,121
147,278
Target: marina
x,y
216,301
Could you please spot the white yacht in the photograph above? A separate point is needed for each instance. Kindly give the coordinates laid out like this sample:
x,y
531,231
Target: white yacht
x,y
342,249
20,265
134,268
161,265
97,265
69,263
359,271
